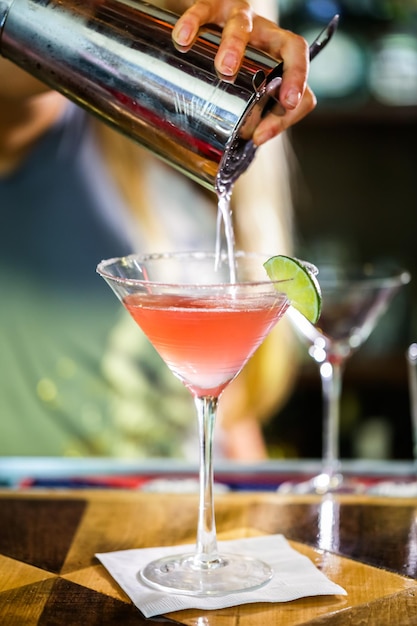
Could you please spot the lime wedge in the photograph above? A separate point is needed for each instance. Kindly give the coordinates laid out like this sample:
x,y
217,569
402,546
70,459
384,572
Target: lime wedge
x,y
301,286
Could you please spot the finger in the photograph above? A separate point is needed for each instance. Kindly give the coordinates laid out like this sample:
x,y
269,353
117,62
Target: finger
x,y
235,36
296,65
236,18
187,26
273,125
293,50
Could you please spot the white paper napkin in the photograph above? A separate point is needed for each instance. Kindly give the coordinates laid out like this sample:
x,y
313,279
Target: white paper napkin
x,y
295,576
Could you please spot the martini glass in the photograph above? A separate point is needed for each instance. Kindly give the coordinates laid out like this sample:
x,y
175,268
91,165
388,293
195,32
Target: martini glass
x,y
353,300
205,327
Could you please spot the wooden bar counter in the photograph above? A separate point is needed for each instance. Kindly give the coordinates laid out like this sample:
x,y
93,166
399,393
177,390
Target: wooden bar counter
x,y
49,575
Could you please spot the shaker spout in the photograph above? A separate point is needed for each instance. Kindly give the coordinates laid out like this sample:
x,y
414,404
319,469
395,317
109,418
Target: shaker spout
x,y
267,87
258,80
265,100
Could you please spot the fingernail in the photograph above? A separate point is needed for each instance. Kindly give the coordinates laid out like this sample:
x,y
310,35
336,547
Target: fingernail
x,y
182,35
292,98
229,64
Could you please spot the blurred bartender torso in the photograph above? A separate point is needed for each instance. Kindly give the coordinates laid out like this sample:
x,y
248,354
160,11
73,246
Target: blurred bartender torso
x,y
67,347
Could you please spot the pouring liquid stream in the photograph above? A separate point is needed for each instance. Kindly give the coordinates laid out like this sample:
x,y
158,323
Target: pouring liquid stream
x,y
224,219
235,165
238,160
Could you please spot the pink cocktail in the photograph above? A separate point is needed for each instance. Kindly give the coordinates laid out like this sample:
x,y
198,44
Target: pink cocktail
x,y
205,326
206,341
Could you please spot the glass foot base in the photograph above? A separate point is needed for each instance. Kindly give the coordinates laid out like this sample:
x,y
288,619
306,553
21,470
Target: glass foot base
x,y
322,484
183,574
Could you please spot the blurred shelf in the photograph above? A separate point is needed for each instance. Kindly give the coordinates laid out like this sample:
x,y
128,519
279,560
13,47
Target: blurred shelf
x,y
371,113
363,371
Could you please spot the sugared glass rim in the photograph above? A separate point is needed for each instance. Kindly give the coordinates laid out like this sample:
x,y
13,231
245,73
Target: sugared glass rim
x,y
197,254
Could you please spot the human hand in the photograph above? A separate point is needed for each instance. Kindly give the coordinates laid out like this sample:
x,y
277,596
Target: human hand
x,y
242,26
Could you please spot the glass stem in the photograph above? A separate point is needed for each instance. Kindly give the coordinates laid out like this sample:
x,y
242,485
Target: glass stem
x,y
206,550
331,380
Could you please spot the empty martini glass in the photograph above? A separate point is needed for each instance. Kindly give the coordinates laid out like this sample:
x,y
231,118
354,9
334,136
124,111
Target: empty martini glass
x,y
205,327
353,300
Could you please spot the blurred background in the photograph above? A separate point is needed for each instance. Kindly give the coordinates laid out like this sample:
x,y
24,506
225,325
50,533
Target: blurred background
x,y
356,198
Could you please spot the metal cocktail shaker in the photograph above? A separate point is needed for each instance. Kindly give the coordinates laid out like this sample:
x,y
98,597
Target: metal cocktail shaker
x,y
116,59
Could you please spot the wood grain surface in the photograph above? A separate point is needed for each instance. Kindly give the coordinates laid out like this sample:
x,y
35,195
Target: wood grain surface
x,y
49,575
